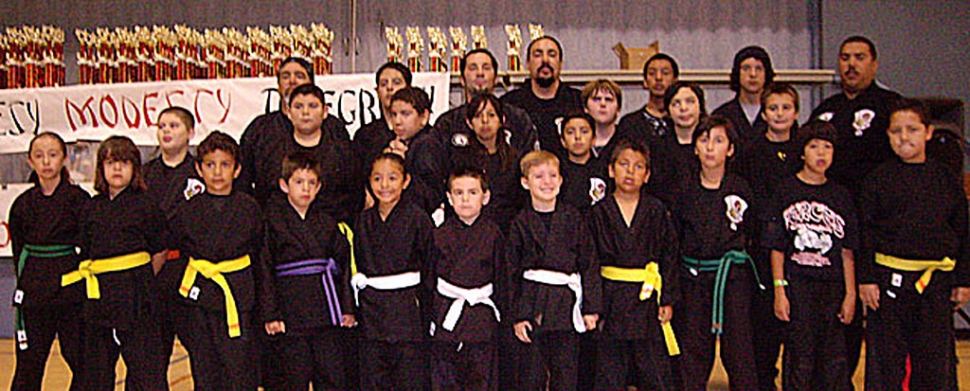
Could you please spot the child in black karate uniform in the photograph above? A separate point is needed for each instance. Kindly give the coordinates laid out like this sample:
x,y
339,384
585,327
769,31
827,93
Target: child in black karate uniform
x,y
391,247
424,154
712,212
553,278
636,246
123,235
220,234
466,250
306,290
171,180
584,175
811,232
913,266
44,234
489,149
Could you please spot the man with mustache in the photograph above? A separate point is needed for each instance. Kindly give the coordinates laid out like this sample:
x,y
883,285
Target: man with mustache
x,y
546,98
860,114
478,76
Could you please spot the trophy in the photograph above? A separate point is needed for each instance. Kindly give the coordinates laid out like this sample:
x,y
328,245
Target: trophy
x,y
322,51
459,43
395,44
536,32
4,49
260,46
437,50
514,47
415,46
145,54
282,46
479,40
215,54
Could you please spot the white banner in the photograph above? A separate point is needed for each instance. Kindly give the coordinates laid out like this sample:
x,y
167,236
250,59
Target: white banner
x,y
95,112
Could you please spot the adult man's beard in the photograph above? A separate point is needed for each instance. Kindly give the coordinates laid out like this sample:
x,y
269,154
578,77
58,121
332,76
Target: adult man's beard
x,y
545,82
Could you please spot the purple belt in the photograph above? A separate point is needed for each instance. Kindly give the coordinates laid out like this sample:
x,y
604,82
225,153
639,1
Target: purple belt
x,y
327,268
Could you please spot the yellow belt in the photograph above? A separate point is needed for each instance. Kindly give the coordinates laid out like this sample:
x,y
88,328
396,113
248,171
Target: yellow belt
x,y
652,281
214,272
89,269
906,265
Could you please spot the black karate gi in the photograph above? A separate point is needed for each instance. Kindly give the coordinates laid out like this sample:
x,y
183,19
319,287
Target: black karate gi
x,y
394,323
217,229
631,339
170,187
746,130
370,140
583,185
556,241
311,345
546,113
707,233
671,164
862,145
502,173
122,321
861,123
466,256
341,195
46,308
914,212
425,159
764,164
521,135
643,127
811,224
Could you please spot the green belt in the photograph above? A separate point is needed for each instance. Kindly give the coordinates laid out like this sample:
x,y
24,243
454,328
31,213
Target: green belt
x,y
722,266
36,251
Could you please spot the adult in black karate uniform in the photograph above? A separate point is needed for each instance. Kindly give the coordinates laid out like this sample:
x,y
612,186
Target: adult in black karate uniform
x,y
750,74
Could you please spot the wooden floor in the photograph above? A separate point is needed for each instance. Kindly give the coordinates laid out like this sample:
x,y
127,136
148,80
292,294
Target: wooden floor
x,y
180,379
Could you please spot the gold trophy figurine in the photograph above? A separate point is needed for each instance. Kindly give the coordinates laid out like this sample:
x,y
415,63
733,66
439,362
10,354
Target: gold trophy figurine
x,y
514,47
536,31
479,40
395,44
438,51
459,43
415,46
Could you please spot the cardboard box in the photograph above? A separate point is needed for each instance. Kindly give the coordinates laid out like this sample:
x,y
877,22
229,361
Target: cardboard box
x,y
634,58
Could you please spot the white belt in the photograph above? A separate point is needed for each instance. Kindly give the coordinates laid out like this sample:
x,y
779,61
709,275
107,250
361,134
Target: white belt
x,y
385,283
573,281
472,296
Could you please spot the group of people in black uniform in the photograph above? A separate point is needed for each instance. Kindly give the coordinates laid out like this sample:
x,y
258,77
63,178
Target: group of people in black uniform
x,y
530,241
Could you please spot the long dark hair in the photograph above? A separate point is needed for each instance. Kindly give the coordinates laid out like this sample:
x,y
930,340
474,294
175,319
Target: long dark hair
x,y
506,153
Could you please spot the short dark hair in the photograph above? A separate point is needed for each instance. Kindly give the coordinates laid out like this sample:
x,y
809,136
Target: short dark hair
x,y
665,57
780,89
397,67
303,63
415,97
574,115
708,123
758,53
528,52
307,89
218,141
392,157
916,107
184,114
677,86
464,171
629,144
860,39
116,148
478,102
464,59
300,160
816,130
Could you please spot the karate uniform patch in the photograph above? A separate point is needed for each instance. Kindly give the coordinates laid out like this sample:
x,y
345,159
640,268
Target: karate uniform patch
x,y
193,187
735,210
597,190
863,120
